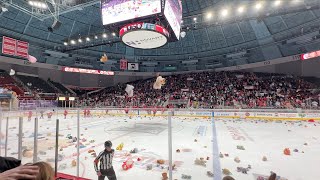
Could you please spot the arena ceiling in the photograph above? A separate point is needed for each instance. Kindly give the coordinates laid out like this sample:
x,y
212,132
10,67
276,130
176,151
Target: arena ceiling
x,y
218,34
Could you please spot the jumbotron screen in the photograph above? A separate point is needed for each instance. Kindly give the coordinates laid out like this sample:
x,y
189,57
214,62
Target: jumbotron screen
x,y
173,13
114,11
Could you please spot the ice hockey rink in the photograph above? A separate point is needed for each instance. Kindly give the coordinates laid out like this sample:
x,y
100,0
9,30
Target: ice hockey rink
x,y
217,140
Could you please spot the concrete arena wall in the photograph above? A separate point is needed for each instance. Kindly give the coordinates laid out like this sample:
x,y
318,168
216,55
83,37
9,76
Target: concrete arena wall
x,y
253,114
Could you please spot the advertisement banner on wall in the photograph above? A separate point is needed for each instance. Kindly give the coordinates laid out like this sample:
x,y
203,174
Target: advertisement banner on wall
x,y
22,49
264,114
312,115
123,64
33,104
87,71
9,46
287,115
224,114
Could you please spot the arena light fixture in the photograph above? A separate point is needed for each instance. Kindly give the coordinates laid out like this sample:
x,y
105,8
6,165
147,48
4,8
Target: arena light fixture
x,y
240,9
195,19
80,40
113,34
258,6
104,35
209,15
87,39
65,43
296,1
224,12
96,37
73,42
277,3
38,4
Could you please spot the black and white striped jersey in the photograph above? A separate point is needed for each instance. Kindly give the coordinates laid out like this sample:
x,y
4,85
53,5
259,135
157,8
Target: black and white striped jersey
x,y
105,159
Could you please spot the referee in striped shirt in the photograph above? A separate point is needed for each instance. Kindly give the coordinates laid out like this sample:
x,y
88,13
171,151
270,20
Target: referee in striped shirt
x,y
105,159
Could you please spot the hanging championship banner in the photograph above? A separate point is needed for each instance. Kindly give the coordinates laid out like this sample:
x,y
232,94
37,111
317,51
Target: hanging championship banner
x,y
15,47
9,46
22,49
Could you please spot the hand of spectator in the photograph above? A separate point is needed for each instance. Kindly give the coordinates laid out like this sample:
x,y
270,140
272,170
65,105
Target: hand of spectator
x,y
21,172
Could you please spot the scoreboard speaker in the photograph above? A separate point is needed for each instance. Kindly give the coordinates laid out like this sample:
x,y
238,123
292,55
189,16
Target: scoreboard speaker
x,y
55,26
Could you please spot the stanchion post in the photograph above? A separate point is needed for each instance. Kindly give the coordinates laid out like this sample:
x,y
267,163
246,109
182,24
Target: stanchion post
x,y
35,139
170,144
20,138
56,149
78,143
6,143
215,151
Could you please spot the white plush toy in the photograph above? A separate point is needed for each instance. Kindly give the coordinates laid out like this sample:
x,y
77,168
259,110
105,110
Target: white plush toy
x,y
12,72
159,82
129,90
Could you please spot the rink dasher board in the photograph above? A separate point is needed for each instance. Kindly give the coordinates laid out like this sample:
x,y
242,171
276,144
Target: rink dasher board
x,y
186,114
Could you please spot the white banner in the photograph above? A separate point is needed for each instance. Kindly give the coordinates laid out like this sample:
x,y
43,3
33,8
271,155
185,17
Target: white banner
x,y
248,87
133,66
239,76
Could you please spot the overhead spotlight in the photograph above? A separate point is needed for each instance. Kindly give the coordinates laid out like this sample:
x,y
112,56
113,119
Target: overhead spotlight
x,y
38,4
87,39
209,15
181,21
258,5
104,35
195,19
80,40
73,42
277,2
296,1
113,34
96,37
240,9
224,12
65,43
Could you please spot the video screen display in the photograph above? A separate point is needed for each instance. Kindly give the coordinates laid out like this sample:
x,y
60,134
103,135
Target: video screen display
x,y
114,11
173,13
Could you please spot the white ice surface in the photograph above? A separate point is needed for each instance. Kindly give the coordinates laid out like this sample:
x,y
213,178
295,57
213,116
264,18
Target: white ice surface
x,y
260,138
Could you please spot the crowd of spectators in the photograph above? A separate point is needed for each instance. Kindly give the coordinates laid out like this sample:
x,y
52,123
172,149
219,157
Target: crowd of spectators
x,y
214,90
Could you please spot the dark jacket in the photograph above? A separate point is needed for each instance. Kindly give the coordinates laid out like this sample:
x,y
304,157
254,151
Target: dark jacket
x,y
7,163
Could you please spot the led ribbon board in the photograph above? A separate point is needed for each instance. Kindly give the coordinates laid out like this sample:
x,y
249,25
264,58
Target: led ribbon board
x,y
310,55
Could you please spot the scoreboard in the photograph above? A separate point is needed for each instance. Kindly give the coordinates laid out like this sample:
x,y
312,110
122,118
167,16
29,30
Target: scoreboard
x,y
157,14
